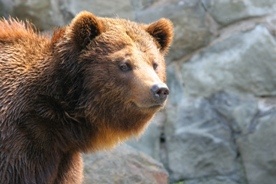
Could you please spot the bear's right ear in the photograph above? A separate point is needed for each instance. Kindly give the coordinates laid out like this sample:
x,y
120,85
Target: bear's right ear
x,y
84,28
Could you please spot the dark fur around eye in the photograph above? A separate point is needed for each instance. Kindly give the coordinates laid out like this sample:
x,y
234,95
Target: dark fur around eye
x,y
155,65
125,67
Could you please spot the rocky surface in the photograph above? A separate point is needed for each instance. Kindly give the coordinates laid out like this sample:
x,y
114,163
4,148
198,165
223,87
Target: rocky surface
x,y
228,11
123,165
219,125
220,119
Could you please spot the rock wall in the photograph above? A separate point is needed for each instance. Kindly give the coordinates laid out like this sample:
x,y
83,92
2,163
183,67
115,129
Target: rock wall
x,y
219,125
220,121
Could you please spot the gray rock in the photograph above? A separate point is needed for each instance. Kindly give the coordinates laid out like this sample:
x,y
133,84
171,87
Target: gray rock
x,y
201,143
3,11
44,14
243,62
115,8
189,18
257,148
228,11
149,142
175,84
212,180
123,165
238,109
48,14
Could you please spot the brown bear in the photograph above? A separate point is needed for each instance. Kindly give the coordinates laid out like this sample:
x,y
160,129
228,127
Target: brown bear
x,y
91,85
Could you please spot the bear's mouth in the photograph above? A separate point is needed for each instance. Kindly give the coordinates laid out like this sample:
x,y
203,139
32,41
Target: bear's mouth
x,y
143,106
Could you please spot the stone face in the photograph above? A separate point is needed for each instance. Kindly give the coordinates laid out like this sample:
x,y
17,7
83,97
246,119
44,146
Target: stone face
x,y
116,8
228,11
257,146
243,62
149,142
44,14
189,18
175,83
48,14
123,165
212,180
201,143
3,11
239,110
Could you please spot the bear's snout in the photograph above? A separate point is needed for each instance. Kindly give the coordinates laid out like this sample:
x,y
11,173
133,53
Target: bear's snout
x,y
160,92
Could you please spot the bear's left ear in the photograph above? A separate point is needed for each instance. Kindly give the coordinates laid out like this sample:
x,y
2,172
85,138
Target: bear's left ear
x,y
84,28
162,32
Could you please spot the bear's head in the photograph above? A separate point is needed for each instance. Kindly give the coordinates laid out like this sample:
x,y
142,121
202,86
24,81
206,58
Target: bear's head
x,y
114,74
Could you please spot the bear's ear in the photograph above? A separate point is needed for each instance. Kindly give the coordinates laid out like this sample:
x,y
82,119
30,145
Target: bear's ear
x,y
162,32
84,28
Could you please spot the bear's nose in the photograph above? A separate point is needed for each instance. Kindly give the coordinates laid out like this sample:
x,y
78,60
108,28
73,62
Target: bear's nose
x,y
160,92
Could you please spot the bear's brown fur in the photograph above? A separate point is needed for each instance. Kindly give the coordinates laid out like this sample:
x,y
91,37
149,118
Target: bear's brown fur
x,y
95,83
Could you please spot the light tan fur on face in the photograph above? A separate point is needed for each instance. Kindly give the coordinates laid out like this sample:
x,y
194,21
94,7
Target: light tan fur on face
x,y
108,138
144,76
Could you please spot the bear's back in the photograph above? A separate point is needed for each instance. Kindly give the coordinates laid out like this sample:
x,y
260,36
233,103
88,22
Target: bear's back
x,y
22,56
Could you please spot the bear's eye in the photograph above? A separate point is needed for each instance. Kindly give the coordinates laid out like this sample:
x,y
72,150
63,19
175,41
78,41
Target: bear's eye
x,y
155,65
125,67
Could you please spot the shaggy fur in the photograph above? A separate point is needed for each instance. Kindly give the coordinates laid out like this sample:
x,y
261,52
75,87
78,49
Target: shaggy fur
x,y
85,89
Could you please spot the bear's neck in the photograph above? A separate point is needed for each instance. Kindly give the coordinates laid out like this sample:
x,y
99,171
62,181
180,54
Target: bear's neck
x,y
65,80
56,104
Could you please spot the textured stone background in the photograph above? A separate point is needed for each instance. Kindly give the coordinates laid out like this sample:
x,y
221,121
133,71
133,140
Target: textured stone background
x,y
219,126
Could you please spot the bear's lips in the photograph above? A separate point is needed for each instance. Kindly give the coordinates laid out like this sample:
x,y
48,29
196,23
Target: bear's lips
x,y
156,106
149,106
